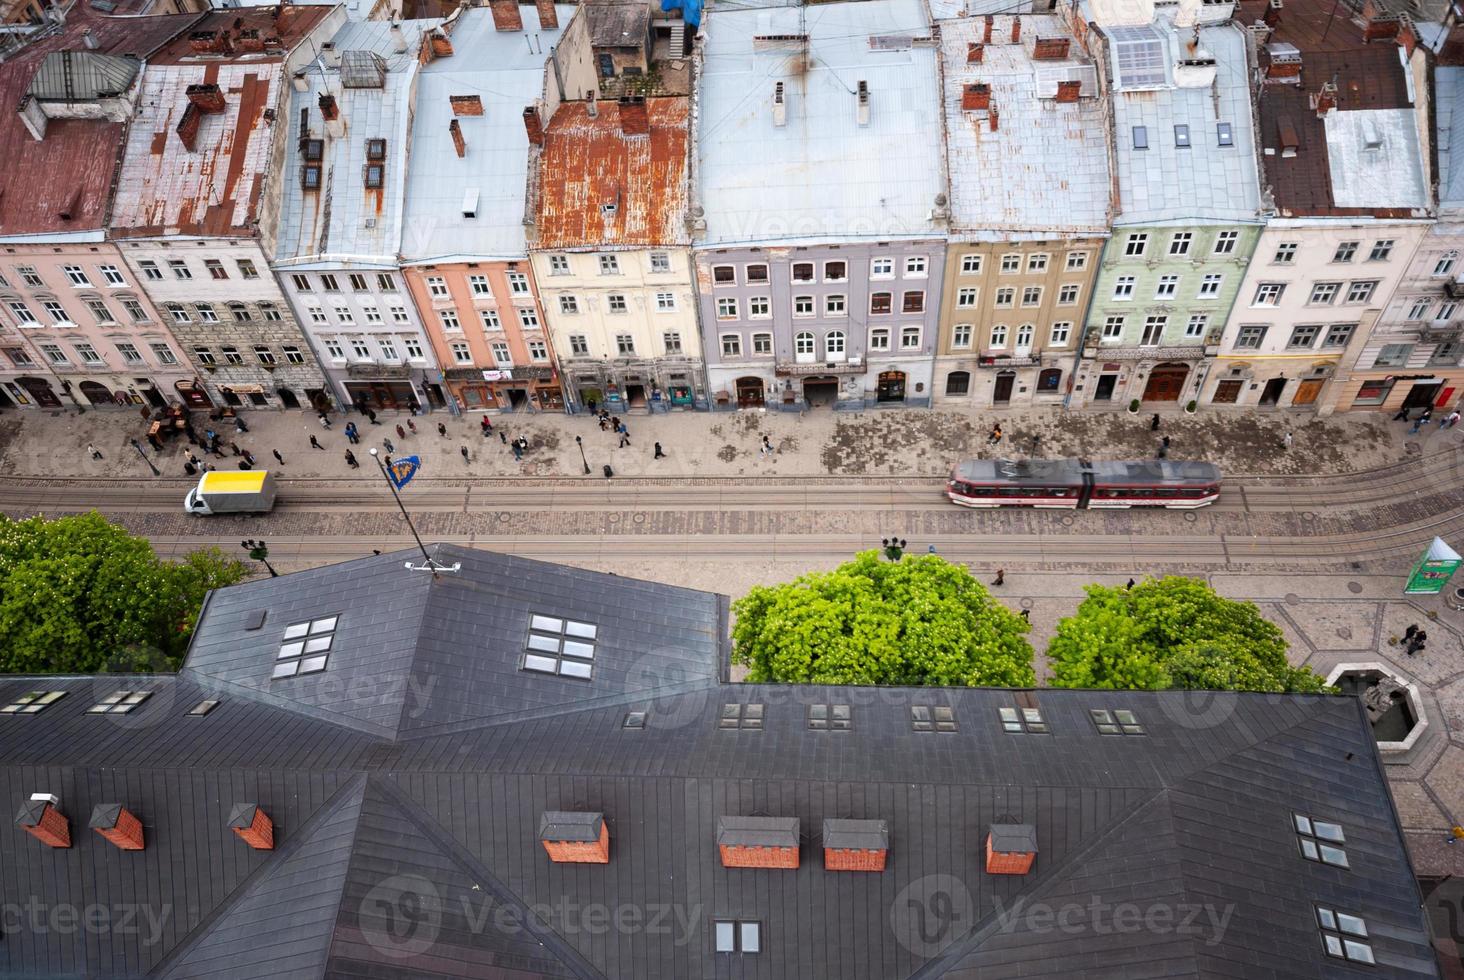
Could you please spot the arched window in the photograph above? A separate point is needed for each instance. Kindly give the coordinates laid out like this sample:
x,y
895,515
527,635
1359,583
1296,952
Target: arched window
x,y
240,312
803,347
958,383
834,344
1024,336
1049,379
998,335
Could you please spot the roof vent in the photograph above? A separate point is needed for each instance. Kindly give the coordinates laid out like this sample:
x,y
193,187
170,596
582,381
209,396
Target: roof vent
x,y
572,837
758,842
42,819
1286,131
253,826
116,824
470,203
862,110
1010,848
855,845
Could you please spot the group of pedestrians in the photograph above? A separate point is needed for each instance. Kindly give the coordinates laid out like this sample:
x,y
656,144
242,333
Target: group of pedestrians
x,y
1446,421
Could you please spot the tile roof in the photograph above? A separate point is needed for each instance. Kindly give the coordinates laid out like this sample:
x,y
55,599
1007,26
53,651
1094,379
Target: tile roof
x,y
822,175
344,218
597,185
1371,79
410,851
70,171
1167,182
506,70
216,189
1045,167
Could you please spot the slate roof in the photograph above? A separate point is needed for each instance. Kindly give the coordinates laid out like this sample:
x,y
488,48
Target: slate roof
x,y
410,852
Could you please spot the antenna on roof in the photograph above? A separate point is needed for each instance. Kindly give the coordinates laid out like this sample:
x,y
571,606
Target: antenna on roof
x,y
429,564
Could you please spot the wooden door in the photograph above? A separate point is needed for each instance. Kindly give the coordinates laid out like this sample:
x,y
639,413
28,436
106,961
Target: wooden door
x,y
1307,391
1227,392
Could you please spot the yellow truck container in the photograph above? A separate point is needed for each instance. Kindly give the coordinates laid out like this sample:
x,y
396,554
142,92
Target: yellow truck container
x,y
228,492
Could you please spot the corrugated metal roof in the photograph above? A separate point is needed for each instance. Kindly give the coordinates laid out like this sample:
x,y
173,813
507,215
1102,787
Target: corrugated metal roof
x,y
506,70
599,186
821,175
1045,168
81,76
1449,111
345,218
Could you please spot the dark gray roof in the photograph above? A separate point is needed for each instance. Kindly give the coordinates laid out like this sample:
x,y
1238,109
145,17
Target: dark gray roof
x,y
856,835
407,851
82,76
758,831
567,825
1014,838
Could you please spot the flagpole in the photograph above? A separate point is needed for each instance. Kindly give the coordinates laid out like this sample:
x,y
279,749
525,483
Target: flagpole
x,y
431,564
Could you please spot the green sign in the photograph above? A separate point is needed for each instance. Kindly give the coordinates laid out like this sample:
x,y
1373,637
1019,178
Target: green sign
x,y
1431,573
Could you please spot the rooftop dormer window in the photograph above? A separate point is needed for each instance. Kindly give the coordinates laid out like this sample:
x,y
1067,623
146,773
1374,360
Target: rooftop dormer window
x,y
32,702
119,702
560,646
305,648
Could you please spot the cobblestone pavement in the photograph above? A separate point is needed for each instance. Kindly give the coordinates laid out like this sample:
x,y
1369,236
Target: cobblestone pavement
x,y
899,442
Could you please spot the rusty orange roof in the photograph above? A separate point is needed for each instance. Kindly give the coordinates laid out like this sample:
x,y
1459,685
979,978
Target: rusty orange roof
x,y
255,33
68,173
598,186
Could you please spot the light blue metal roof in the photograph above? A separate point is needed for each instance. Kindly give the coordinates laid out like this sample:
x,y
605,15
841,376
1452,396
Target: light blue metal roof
x,y
1449,108
821,175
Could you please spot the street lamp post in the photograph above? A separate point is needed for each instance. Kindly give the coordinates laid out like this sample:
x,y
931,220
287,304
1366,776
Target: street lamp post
x,y
259,551
138,446
581,444
894,548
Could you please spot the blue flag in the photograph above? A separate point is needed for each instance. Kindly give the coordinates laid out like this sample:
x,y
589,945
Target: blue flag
x,y
402,470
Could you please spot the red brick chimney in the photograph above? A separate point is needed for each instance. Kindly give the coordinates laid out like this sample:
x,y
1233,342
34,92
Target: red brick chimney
x,y
1272,15
533,125
208,98
42,820
986,36
466,105
1283,64
855,845
442,45
116,824
575,838
187,128
758,842
1407,39
1324,100
1016,30
634,119
1068,91
328,108
458,142
975,53
1011,848
1050,49
253,826
976,97
1384,27
506,15
993,118
548,16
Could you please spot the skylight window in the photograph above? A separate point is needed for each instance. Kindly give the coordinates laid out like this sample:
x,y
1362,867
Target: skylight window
x,y
829,717
1321,841
32,702
1141,138
1181,137
203,707
1140,60
1225,134
1025,720
634,720
940,718
305,648
747,717
560,646
119,702
737,936
1341,935
1119,722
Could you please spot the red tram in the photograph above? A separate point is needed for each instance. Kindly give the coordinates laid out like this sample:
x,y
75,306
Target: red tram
x,y
1081,484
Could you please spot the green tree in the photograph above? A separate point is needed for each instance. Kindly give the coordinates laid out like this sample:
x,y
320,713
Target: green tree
x,y
1172,632
920,620
80,595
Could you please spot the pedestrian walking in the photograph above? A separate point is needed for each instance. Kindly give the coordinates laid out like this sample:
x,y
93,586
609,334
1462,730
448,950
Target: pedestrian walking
x,y
1402,415
518,450
994,436
1450,420
361,406
503,437
603,423
155,442
624,439
278,458
189,468
244,464
401,432
1427,414
1164,442
193,459
464,451
659,454
1130,584
371,416
412,426
234,448
442,430
1163,452
615,423
1154,423
1027,615
315,442
351,460
767,447
621,428
590,403
1417,424
1036,441
324,421
608,471
239,425
1286,440
248,457
95,452
1000,577
386,441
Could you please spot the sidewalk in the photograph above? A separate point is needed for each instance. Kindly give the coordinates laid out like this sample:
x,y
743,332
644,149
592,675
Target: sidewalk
x,y
821,443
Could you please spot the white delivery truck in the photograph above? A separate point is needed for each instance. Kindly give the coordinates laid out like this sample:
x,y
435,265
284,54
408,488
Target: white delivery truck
x,y
245,492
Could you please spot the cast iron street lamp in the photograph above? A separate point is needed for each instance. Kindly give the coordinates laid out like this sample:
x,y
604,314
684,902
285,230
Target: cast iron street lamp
x,y
138,446
581,444
893,547
259,551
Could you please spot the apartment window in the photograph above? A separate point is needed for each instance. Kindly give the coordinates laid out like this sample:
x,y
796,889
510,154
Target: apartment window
x,y
1067,294
179,314
971,265
54,353
1225,242
1393,355
660,262
961,336
149,269
317,314
666,302
671,340
803,306
745,717
130,353
913,302
215,269
1445,265
756,273
246,269
1113,329
1250,337
489,319
880,302
1324,292
1154,327
518,284
100,312
803,272
57,311
1302,337
578,345
1058,336
1361,292
329,284
449,320
615,302
180,269
264,354
559,265
625,344
731,345
1027,721
1037,262
1195,328
370,313
22,312
1345,252
1342,936
437,287
879,339
388,348
1136,245
724,275
1031,296
204,356
966,296
338,353
88,354
609,265
292,354
164,354
460,352
759,307
1381,250
206,313
1268,293
479,286
1210,285
1006,296
910,338
386,282
1123,287
231,355
301,283
240,312
1179,243
32,702
836,271
834,305
881,268
358,282
1118,722
1024,336
1011,263
1338,334
271,312
762,343
1141,137
998,335
1446,311
1285,253
112,275
830,718
915,266
134,310
1077,261
568,304
76,275
501,354
18,357
1168,286
344,314
1419,309
1445,354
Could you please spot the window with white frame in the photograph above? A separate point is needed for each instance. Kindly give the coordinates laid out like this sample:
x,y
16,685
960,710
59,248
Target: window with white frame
x,y
970,265
336,351
57,312
724,275
915,266
1037,262
803,306
802,272
518,284
1268,293
1225,242
502,356
660,262
1031,295
135,310
998,336
1059,334
317,314
762,344
150,270
579,345
966,296
112,275
609,265
1154,327
328,283
1345,252
130,353
881,268
731,345
1136,244
437,287
206,312
88,354
370,313
1382,249
449,320
568,304
164,353
615,302
1361,292
1210,285
100,312
1123,287
1419,309
1011,263
756,272
836,271
666,302
1077,261
270,312
559,265
414,349
22,312
344,315
1024,336
358,283
671,341
834,345
264,354
240,313
1195,328
961,336
759,307
1167,287
76,275
180,269
1180,241
834,305
1446,311
726,307
479,285
360,348
528,317
399,315
910,338
1324,292
215,268
54,353
461,353
1445,264
625,344
179,313
1112,329
388,348
879,338
1067,294
386,282
490,320
1006,296
301,283
1285,253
